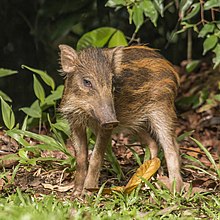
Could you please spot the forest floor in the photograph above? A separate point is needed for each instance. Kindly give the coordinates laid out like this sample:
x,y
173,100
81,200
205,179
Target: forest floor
x,y
198,118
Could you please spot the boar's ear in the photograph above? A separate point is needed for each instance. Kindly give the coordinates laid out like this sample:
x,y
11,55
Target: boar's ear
x,y
68,58
117,54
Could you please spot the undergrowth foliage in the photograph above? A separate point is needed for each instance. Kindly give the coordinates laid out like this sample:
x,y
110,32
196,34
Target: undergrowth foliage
x,y
41,113
200,17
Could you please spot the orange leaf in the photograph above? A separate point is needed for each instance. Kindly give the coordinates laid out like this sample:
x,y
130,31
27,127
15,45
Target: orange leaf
x,y
145,171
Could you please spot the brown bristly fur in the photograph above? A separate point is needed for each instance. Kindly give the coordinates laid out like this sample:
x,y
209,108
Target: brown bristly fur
x,y
129,87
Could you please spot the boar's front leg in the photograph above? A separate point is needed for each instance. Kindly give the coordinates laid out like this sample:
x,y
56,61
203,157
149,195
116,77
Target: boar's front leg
x,y
102,140
80,144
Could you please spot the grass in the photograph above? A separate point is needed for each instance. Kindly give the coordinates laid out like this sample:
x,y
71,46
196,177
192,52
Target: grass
x,y
147,204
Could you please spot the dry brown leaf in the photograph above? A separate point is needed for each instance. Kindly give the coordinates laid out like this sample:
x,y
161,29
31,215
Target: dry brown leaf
x,y
49,186
145,171
65,188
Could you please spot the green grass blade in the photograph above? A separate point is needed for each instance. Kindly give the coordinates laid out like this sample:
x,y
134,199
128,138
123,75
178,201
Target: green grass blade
x,y
114,162
211,159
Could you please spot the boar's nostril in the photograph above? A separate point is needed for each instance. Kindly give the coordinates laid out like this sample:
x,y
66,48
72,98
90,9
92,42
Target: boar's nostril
x,y
110,124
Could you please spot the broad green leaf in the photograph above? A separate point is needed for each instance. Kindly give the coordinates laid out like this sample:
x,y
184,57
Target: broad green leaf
x,y
209,43
56,95
117,39
97,38
216,59
211,4
195,10
39,137
207,28
150,11
192,65
159,6
44,76
6,72
7,114
5,96
115,3
44,139
138,17
62,125
34,111
31,112
184,6
39,90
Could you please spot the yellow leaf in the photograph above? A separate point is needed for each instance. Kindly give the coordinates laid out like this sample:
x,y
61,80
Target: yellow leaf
x,y
110,190
145,171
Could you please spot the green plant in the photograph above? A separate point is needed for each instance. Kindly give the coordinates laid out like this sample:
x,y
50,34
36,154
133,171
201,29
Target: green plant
x,y
214,172
150,204
59,128
38,110
138,10
4,73
201,17
197,15
7,114
100,37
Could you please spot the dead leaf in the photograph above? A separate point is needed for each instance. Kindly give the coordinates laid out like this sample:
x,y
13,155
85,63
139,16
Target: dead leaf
x,y
2,183
49,186
145,171
65,188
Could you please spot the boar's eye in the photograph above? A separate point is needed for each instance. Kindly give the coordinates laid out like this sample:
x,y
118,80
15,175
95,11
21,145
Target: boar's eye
x,y
87,83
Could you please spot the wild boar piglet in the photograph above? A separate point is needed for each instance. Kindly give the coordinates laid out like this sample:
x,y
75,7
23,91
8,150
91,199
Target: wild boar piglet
x,y
130,88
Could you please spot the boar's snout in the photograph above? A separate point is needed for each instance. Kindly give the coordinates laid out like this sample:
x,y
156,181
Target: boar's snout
x,y
109,124
104,112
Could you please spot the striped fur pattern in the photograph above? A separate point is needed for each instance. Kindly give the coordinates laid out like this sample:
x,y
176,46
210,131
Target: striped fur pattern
x,y
135,88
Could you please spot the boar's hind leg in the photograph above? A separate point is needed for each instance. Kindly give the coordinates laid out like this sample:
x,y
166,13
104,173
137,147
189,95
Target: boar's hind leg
x,y
80,144
102,140
162,126
149,142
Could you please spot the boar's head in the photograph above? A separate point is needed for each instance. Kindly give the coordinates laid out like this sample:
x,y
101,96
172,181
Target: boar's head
x,y
88,92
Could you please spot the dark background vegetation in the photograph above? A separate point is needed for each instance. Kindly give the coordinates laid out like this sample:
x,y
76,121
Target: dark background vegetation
x,y
32,31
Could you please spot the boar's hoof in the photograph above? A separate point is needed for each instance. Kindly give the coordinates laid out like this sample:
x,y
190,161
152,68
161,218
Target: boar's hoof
x,y
77,193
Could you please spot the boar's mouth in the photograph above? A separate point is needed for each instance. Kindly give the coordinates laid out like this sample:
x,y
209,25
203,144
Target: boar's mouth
x,y
110,124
